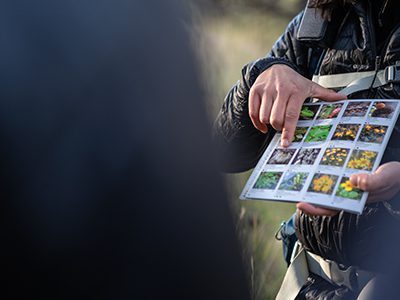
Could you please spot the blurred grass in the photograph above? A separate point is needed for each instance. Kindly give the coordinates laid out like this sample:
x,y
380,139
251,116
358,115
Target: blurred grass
x,y
225,42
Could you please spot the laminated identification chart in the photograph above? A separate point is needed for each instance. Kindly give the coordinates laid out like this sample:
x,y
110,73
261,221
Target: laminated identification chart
x,y
332,141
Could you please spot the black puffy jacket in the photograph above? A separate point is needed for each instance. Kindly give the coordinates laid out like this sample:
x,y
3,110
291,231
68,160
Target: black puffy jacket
x,y
371,240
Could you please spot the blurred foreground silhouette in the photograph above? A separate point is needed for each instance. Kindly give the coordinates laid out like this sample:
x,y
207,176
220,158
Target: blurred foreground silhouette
x,y
107,187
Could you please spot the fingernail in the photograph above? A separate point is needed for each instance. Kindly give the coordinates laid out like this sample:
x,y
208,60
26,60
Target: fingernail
x,y
285,143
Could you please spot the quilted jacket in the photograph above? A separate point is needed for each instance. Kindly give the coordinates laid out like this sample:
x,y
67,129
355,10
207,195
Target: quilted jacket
x,y
369,39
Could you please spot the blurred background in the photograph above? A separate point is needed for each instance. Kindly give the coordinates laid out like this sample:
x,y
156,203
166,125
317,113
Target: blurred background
x,y
227,35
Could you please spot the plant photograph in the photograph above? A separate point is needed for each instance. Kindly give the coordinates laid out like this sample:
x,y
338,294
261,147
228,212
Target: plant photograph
x,y
308,112
383,110
347,190
318,133
362,160
323,183
335,157
356,109
330,111
346,132
373,134
281,156
306,156
299,134
293,181
267,180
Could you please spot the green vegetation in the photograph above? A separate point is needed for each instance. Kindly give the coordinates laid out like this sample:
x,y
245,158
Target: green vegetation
x,y
318,133
267,180
299,134
225,42
306,113
293,181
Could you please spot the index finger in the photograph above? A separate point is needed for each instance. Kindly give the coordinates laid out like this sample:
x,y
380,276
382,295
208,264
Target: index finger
x,y
292,114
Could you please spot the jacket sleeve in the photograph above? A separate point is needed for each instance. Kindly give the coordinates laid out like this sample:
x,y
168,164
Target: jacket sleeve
x,y
239,143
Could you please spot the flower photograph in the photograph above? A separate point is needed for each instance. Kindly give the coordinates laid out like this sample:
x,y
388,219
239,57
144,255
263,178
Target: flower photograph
x,y
318,133
306,156
293,181
323,183
330,111
299,134
267,180
281,156
356,109
362,160
373,133
347,190
346,132
335,157
383,110
308,112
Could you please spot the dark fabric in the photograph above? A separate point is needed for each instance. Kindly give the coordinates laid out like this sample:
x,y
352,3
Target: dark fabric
x,y
317,288
106,186
372,239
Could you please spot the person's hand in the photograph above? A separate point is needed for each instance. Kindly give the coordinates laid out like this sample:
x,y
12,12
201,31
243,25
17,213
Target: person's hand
x,y
277,96
382,185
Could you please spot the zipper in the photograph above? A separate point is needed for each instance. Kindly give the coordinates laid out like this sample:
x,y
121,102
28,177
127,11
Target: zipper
x,y
381,12
372,30
378,61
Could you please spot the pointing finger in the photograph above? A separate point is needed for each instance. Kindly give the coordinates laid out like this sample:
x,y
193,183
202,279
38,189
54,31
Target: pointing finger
x,y
291,117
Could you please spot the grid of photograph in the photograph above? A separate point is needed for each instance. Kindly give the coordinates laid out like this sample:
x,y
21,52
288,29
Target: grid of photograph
x,y
332,141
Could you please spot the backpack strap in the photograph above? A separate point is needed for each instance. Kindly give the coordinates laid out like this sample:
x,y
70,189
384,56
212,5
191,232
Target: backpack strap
x,y
305,262
350,83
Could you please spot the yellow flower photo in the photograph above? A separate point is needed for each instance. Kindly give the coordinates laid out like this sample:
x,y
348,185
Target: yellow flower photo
x,y
362,160
323,183
373,134
346,132
347,190
335,157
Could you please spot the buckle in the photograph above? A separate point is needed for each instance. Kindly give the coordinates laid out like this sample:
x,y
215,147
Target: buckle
x,y
347,277
392,73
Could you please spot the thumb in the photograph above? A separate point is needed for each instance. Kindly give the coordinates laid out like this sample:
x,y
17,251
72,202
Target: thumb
x,y
368,182
322,93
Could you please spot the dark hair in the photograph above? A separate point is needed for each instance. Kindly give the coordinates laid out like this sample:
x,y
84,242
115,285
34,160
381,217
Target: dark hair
x,y
327,6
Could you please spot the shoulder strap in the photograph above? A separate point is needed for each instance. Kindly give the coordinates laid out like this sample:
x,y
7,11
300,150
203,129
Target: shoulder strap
x,y
350,83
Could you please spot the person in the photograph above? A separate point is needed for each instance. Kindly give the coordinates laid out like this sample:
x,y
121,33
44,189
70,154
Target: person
x,y
108,189
361,36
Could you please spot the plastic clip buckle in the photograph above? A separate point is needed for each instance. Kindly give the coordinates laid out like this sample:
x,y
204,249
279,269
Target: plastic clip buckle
x,y
392,73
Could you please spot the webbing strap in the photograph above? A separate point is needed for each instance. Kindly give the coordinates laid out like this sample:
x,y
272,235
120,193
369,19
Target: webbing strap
x,y
358,81
365,83
295,277
305,263
351,277
340,80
